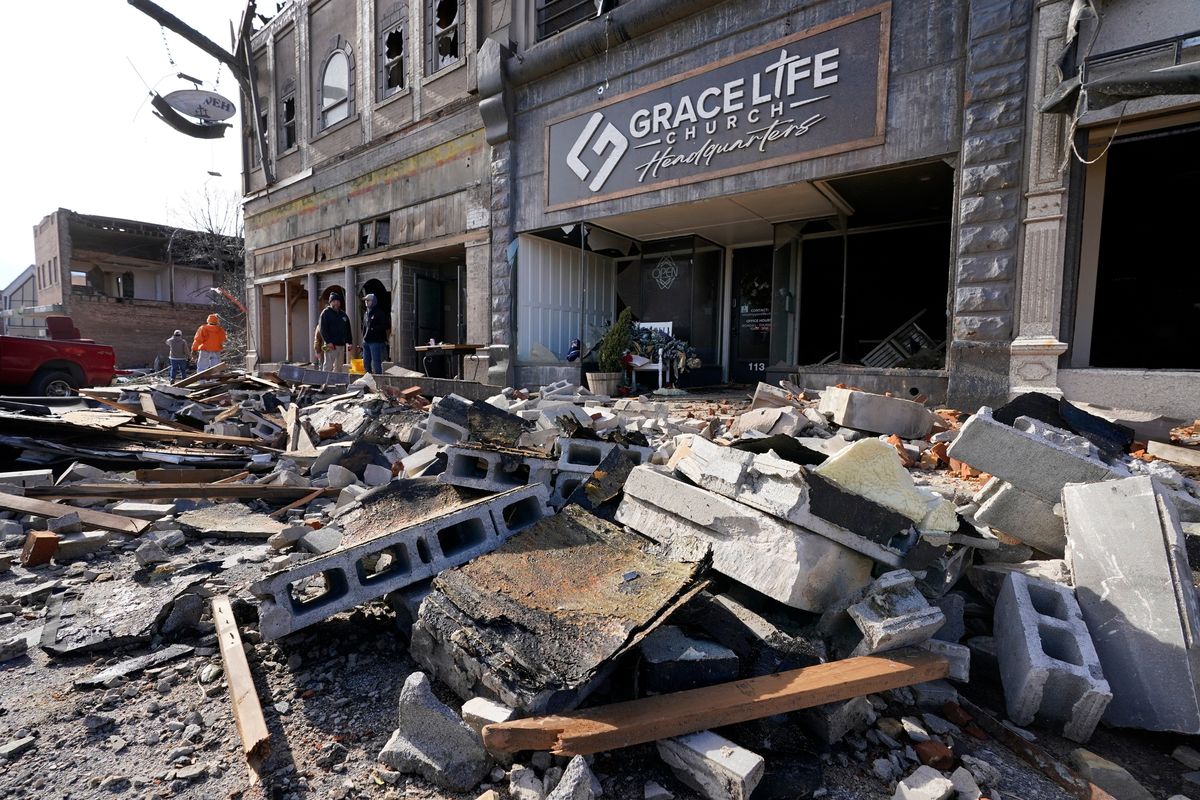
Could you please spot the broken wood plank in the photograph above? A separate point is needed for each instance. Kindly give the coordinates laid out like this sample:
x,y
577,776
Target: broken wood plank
x,y
179,426
135,432
227,413
170,491
197,475
201,375
649,719
240,476
147,403
247,711
303,501
1074,784
96,519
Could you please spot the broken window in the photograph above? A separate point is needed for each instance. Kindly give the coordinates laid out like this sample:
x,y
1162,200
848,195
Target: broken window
x,y
364,236
393,61
288,127
335,89
382,232
446,22
373,233
554,16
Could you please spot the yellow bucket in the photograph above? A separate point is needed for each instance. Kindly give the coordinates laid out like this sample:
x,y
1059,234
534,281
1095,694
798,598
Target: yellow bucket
x,y
356,366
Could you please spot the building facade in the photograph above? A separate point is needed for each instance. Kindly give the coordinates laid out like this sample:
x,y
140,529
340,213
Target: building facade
x,y
126,283
21,293
848,190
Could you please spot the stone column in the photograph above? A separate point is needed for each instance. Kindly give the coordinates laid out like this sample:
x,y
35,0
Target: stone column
x,y
1033,365
502,287
989,180
350,302
314,309
478,292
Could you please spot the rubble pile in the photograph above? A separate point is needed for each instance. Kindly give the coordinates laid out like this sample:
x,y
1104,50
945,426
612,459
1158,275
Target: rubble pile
x,y
817,591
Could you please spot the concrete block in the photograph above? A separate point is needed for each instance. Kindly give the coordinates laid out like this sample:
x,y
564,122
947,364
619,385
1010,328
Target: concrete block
x,y
327,454
418,461
67,523
76,546
350,495
447,421
832,721
781,560
584,455
786,490
549,414
762,646
359,572
672,661
480,711
887,614
375,475
925,783
146,511
958,656
871,468
564,485
322,540
988,579
1021,515
1128,555
40,547
27,478
11,527
953,606
769,421
433,742
1048,664
712,765
876,413
339,477
494,470
150,553
576,782
1030,462
1111,777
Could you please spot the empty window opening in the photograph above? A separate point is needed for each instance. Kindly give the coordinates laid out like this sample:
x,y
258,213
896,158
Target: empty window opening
x,y
383,230
316,590
558,15
423,551
393,62
385,564
289,122
446,35
335,90
1060,645
461,537
521,514
364,236
1047,602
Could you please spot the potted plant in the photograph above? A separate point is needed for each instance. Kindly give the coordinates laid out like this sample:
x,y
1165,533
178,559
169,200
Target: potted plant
x,y
610,352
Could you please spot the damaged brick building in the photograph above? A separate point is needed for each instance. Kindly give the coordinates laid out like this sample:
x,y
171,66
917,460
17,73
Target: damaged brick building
x,y
128,283
862,192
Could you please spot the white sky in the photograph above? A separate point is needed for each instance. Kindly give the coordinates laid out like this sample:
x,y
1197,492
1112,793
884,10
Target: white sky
x,y
80,134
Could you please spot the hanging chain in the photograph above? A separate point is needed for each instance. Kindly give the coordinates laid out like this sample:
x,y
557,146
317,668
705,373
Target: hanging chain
x,y
167,46
217,81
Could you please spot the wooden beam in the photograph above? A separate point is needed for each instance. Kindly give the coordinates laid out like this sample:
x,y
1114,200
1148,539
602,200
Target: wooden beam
x,y
652,718
141,412
135,432
235,478
147,402
170,491
96,519
197,475
247,710
201,375
227,413
303,501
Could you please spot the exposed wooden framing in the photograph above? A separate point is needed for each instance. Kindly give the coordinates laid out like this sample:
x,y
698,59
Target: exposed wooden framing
x,y
141,412
167,491
303,501
247,710
652,718
197,475
201,375
96,519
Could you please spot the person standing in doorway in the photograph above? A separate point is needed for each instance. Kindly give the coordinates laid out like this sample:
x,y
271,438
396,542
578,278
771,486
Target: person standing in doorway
x,y
377,323
177,355
335,333
207,343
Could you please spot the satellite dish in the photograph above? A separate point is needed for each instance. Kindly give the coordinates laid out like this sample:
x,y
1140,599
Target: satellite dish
x,y
201,104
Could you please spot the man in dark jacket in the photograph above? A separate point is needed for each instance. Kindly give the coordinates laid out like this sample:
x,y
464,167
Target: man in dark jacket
x,y
377,323
335,333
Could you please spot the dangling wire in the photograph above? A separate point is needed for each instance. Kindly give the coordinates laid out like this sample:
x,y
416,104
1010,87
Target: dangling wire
x,y
217,80
166,46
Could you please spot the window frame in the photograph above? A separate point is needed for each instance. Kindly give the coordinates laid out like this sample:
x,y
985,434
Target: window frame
x,y
338,46
431,37
287,93
396,19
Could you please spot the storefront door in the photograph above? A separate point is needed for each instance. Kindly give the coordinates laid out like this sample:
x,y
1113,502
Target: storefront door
x,y
751,317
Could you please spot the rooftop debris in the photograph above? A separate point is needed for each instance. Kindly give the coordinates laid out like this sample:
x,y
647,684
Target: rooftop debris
x,y
782,593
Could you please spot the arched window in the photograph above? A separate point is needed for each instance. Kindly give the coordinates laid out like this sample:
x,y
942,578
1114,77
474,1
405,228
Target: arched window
x,y
335,89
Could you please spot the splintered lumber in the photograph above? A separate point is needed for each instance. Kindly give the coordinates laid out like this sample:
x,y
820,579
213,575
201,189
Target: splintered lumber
x,y
197,475
303,501
95,519
649,719
201,375
1074,784
135,432
171,491
141,412
247,711
241,476
227,413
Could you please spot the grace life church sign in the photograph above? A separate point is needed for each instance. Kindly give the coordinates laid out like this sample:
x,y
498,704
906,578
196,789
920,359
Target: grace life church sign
x,y
820,91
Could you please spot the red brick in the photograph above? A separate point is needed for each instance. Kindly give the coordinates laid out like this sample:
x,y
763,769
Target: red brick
x,y
934,754
40,547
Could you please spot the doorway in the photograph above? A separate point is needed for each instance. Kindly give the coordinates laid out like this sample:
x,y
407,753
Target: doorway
x,y
751,313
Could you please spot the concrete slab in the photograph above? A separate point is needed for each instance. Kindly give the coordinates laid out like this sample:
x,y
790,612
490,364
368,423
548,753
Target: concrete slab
x,y
876,413
887,614
779,559
147,511
1021,515
230,520
1127,553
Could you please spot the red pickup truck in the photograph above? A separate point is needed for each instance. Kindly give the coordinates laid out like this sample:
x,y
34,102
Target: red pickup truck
x,y
56,366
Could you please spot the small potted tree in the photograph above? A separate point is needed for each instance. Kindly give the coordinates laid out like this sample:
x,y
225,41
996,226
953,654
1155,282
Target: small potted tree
x,y
610,353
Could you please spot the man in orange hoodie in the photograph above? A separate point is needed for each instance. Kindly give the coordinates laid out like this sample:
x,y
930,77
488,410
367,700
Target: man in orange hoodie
x,y
209,339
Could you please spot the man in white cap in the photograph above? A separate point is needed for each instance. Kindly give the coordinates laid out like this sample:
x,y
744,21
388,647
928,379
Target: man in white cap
x,y
177,354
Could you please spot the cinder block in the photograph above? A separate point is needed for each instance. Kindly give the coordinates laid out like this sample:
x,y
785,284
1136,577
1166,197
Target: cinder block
x,y
889,613
1030,462
494,470
1127,552
447,420
28,478
779,559
584,455
1048,665
876,413
832,721
363,571
712,765
1021,515
565,484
